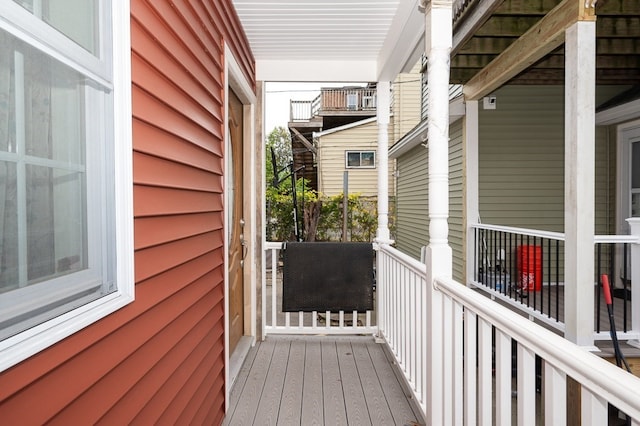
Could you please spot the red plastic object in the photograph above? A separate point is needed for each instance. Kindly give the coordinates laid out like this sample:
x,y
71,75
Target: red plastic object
x,y
606,289
529,264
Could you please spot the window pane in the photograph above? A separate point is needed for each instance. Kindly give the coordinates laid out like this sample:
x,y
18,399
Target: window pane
x,y
56,217
353,159
42,168
44,115
635,165
9,279
368,159
77,19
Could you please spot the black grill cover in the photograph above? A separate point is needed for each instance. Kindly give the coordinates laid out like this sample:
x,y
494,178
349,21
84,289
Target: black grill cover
x,y
327,277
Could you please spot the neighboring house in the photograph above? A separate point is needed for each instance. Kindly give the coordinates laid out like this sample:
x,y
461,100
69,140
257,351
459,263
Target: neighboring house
x,y
116,249
332,108
517,138
352,147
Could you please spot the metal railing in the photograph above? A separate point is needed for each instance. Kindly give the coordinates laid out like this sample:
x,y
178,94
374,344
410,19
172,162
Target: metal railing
x,y
275,321
525,269
333,101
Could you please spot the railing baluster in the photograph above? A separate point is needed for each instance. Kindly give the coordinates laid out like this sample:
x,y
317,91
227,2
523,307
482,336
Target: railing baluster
x,y
470,365
594,409
503,378
526,386
485,379
555,394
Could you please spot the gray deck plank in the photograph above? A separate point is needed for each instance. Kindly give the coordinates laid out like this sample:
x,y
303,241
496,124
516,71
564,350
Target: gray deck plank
x,y
318,380
269,405
291,403
379,411
312,399
399,405
245,411
243,375
355,403
333,395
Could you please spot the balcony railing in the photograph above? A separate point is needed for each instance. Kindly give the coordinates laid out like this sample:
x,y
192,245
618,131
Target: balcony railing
x,y
334,101
525,268
477,361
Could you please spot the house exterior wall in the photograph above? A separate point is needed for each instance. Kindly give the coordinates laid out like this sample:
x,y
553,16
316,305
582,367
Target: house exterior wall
x,y
406,102
521,160
161,358
412,206
331,161
412,223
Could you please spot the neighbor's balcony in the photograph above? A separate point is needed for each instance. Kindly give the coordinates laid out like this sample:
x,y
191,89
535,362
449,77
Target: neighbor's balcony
x,y
464,359
341,101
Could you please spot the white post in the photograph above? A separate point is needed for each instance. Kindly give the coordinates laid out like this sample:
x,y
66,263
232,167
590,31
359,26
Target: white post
x,y
382,111
579,188
382,235
471,183
438,40
634,226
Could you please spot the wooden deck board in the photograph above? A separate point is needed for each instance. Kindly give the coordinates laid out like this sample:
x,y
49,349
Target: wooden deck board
x,y
401,409
269,404
244,414
355,402
379,411
333,395
318,380
312,406
291,403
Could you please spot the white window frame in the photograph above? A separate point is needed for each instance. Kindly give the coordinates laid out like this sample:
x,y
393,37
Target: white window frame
x,y
358,151
113,73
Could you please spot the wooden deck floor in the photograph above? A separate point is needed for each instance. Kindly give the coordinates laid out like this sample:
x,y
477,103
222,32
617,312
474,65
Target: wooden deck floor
x,y
319,380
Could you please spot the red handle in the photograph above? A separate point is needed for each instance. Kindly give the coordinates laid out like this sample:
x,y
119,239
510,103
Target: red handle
x,y
606,289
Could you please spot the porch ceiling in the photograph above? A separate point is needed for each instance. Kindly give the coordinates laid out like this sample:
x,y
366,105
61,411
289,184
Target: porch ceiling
x,y
484,29
332,40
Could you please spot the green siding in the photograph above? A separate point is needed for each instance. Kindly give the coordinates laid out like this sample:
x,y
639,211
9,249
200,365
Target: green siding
x,y
412,211
412,201
521,161
456,200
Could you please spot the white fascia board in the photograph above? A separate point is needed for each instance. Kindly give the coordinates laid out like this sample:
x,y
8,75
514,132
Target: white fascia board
x,y
404,43
415,136
418,134
619,113
317,70
345,127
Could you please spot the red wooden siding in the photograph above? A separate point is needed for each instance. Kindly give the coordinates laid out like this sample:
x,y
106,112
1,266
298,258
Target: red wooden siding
x,y
161,358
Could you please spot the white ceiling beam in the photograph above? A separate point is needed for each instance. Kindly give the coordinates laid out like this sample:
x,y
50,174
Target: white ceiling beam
x,y
404,43
316,70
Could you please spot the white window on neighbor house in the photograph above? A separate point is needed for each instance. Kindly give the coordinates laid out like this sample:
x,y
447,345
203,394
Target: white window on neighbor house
x,y
360,159
65,144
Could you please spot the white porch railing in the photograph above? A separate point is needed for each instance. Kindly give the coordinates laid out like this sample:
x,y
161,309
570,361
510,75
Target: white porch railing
x,y
275,321
476,355
479,337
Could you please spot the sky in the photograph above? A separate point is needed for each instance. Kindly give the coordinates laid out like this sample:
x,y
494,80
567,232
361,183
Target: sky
x,y
278,95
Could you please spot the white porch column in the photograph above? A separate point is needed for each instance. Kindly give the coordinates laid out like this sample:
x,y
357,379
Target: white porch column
x,y
382,111
579,181
438,40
